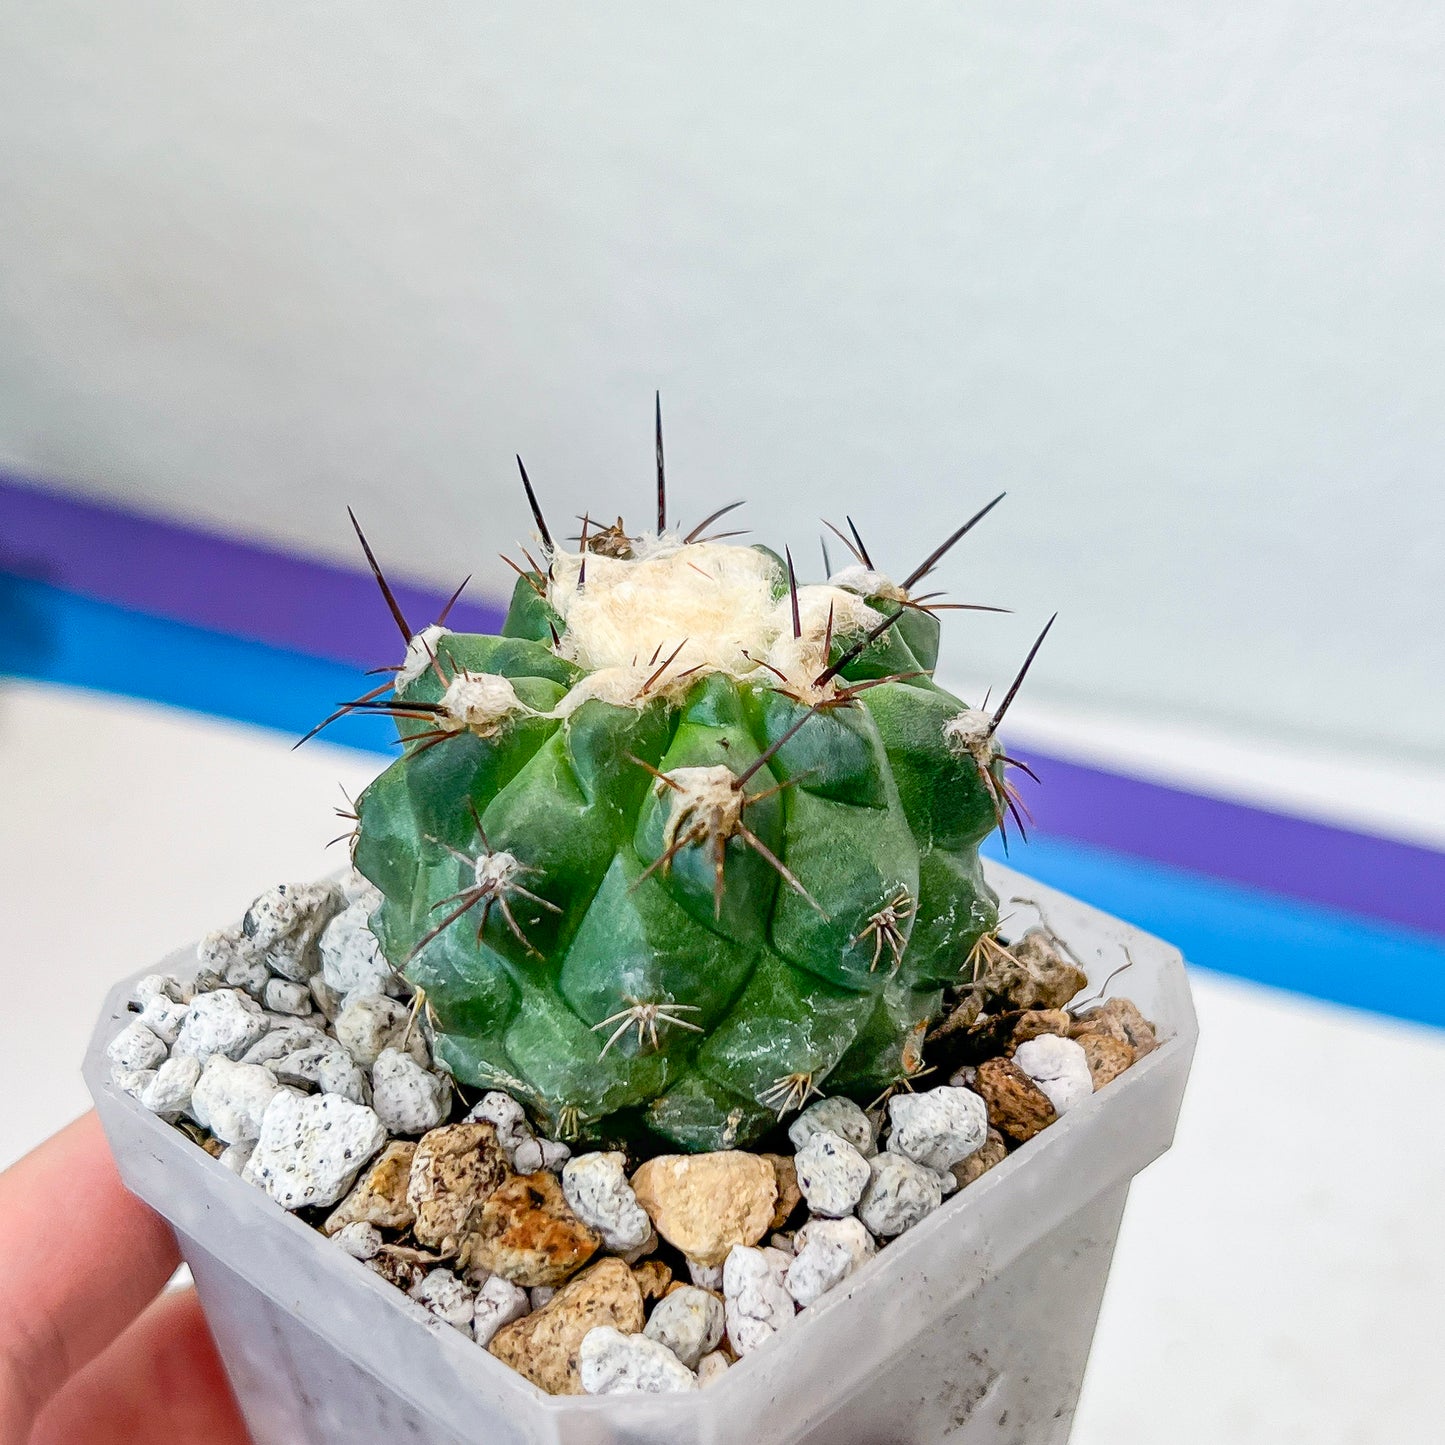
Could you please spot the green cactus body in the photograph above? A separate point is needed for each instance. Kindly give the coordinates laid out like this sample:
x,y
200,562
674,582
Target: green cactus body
x,y
652,865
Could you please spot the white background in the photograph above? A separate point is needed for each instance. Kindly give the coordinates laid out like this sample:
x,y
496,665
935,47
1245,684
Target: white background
x,y
1170,274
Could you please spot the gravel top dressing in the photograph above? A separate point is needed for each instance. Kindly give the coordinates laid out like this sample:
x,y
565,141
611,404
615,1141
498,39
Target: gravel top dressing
x,y
589,1270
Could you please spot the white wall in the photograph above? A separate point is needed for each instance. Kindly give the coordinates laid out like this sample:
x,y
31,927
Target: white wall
x,y
1170,274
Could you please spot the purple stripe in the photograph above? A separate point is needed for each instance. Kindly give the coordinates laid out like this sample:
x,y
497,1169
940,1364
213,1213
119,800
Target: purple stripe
x,y
211,581
312,607
1358,872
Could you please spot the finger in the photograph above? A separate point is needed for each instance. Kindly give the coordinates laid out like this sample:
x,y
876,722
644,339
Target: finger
x,y
160,1383
83,1259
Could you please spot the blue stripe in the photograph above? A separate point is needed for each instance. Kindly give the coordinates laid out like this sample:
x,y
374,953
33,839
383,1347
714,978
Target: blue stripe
x,y
55,636
1250,934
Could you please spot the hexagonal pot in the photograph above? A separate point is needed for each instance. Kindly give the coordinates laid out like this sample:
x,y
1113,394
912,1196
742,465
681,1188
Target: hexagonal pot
x,y
974,1326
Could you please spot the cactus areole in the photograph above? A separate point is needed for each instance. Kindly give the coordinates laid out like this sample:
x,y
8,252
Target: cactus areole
x,y
687,843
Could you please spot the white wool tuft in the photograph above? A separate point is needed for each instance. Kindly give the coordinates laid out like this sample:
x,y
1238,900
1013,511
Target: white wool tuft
x,y
714,599
968,732
801,659
867,583
481,701
419,653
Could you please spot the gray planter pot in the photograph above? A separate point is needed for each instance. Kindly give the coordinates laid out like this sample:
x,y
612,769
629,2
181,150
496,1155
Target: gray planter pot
x,y
974,1326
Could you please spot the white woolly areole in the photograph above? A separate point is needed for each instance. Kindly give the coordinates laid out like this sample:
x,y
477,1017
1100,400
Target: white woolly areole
x,y
481,701
496,872
969,733
867,583
715,600
800,659
705,796
419,653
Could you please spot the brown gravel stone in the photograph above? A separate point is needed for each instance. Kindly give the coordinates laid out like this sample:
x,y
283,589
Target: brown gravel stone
x,y
526,1232
706,1203
453,1171
1107,1056
1039,976
993,1150
380,1195
1121,1020
789,1195
1017,1107
544,1345
397,1269
653,1277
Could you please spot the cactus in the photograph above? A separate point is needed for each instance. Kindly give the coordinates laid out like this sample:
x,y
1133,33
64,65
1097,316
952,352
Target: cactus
x,y
687,842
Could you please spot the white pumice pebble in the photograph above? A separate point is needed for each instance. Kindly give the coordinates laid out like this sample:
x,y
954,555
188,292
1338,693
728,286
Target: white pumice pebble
x,y
351,958
135,1047
237,1156
852,1234
499,1302
283,925
505,1115
132,1081
206,981
689,1321
169,1092
837,1116
447,1297
528,1158
938,1129
757,1302
540,1295
899,1194
284,997
612,1363
285,1039
160,985
783,1242
408,1099
963,1078
831,1173
326,1066
248,972
829,1250
712,1367
366,1026
312,1148
230,1099
555,1154
222,1022
163,1016
705,1276
1059,1067
597,1190
363,1241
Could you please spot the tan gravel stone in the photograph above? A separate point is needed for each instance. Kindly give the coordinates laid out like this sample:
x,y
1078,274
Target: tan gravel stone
x,y
993,1150
544,1345
704,1204
789,1195
380,1195
1017,1107
654,1278
526,1232
1106,1056
1039,976
455,1168
1120,1019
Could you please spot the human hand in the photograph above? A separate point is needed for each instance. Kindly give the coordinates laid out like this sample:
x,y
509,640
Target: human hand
x,y
90,1350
